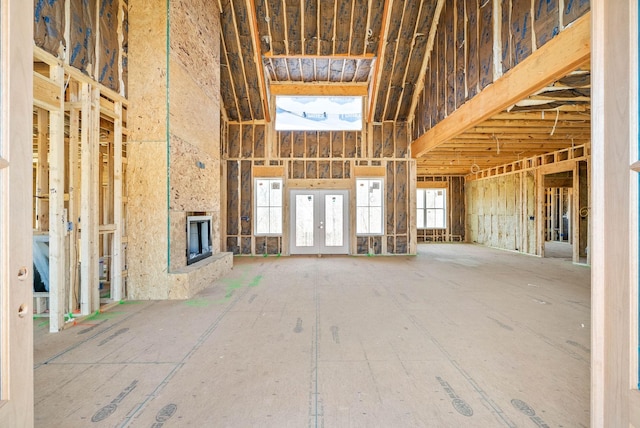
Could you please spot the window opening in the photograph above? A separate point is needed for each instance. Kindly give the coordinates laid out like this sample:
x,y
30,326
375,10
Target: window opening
x,y
312,113
268,212
432,208
369,206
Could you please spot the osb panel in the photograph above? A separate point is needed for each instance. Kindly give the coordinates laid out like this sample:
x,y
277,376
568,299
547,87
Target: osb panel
x,y
178,239
83,35
194,178
147,216
200,55
194,116
48,26
108,73
147,72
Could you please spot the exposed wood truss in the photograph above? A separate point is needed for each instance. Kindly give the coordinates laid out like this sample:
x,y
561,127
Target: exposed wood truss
x,y
329,41
544,106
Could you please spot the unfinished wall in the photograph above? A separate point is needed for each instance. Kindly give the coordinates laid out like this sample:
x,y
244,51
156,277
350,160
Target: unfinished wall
x,y
94,40
501,212
320,160
456,217
174,166
506,204
471,35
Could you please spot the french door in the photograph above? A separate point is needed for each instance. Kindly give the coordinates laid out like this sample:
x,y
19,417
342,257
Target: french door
x,y
319,221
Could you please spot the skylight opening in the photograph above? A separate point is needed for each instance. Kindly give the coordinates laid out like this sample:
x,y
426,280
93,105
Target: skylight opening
x,y
318,113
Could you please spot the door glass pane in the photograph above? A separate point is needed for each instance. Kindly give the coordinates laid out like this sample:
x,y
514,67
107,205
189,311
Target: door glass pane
x,y
420,219
333,207
420,198
304,221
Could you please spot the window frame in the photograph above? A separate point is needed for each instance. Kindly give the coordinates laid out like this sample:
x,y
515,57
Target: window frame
x,y
382,206
255,205
444,209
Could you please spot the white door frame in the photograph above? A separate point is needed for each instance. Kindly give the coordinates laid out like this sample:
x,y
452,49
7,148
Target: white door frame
x,y
16,280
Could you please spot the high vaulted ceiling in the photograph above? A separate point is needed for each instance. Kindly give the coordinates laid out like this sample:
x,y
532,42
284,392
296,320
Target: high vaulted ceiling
x,y
380,48
379,45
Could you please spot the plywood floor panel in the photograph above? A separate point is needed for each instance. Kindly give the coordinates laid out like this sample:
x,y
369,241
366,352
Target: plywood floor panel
x,y
460,335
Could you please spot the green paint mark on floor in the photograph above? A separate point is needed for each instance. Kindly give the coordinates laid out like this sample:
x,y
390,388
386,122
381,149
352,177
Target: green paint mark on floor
x,y
43,323
197,303
255,281
130,302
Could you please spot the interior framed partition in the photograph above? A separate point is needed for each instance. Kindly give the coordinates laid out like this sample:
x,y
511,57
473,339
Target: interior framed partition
x,y
79,158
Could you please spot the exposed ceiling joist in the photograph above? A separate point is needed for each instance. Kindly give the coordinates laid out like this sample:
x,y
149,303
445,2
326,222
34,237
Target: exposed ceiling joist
x,y
561,55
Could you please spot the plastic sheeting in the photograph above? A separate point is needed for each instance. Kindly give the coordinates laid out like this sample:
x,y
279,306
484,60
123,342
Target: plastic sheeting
x,y
109,68
48,27
83,35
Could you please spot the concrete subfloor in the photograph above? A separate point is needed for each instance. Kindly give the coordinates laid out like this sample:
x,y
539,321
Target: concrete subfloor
x,y
458,336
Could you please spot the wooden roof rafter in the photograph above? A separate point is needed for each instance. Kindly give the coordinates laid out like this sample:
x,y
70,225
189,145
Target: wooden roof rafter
x,y
258,59
388,4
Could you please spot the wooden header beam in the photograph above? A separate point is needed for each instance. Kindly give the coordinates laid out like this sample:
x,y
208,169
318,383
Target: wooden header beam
x,y
561,55
336,89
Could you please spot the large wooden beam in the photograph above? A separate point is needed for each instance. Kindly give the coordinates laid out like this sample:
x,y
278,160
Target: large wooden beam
x,y
562,54
335,89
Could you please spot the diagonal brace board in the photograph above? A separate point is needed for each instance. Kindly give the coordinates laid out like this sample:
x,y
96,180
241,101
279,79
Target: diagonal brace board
x,y
564,53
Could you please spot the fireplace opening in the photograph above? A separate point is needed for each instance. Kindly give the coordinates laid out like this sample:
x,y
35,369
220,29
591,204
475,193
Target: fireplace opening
x,y
198,238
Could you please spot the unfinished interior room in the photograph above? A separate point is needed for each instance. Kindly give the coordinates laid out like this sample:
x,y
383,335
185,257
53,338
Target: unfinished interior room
x,y
319,213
